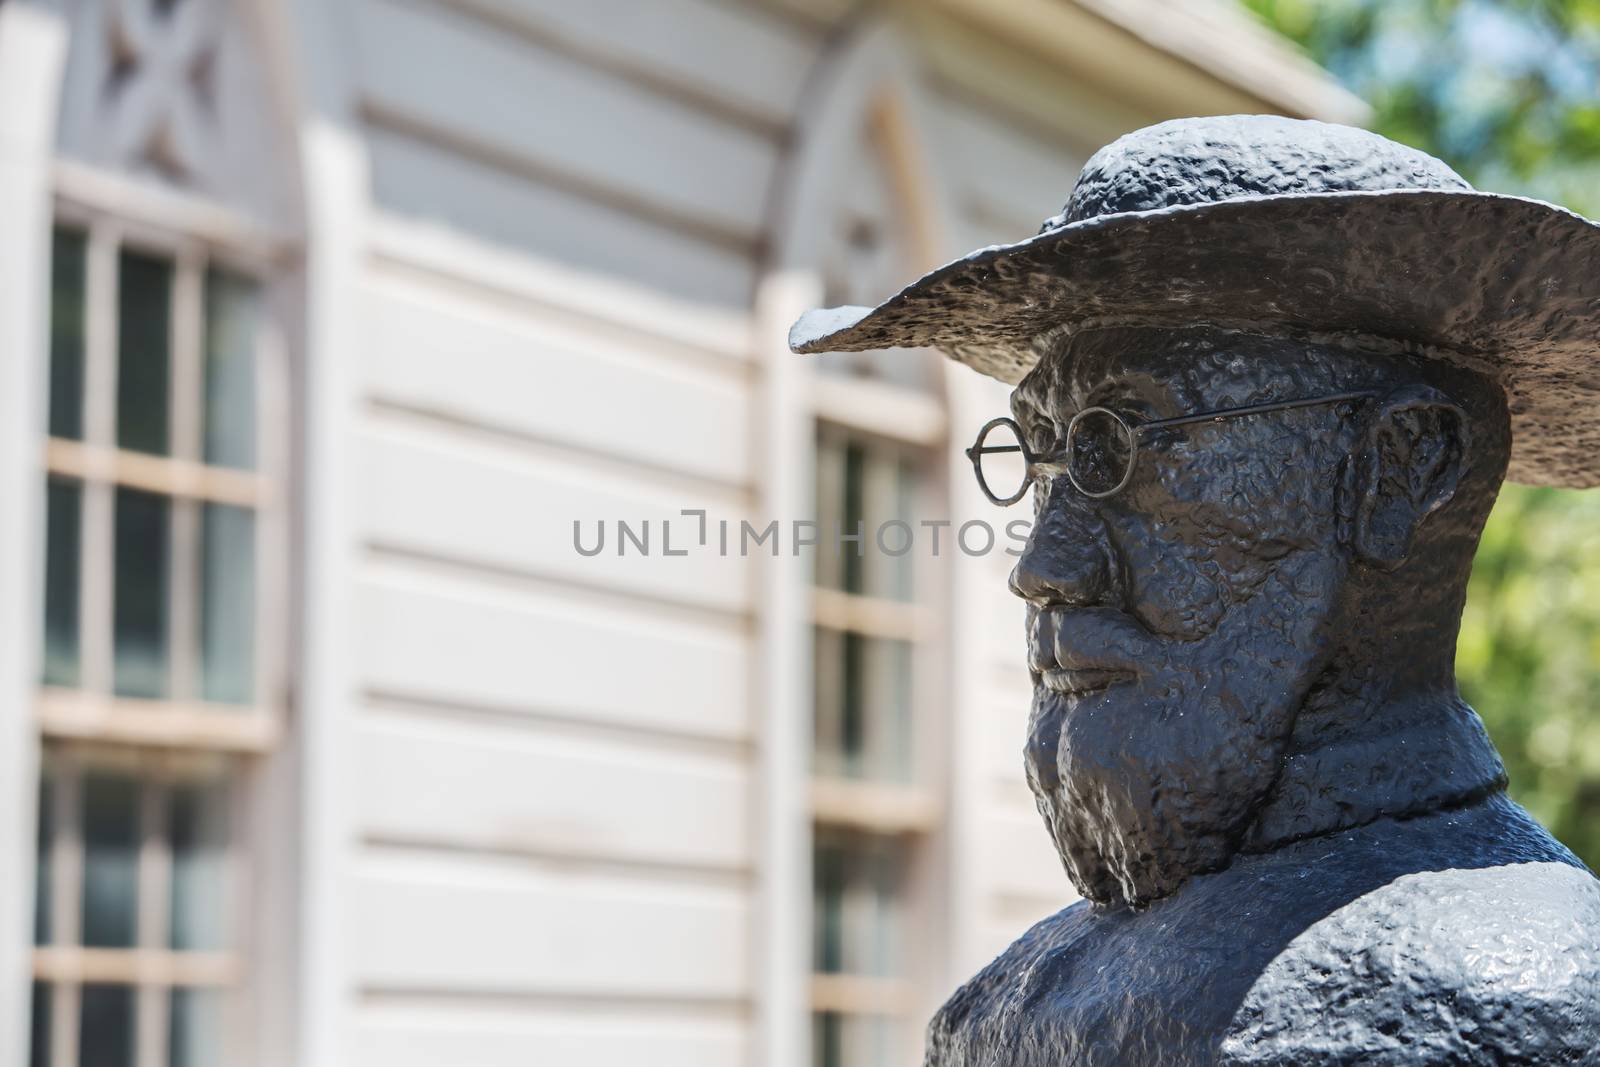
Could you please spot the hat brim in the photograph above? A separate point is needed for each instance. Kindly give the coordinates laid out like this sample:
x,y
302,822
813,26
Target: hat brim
x,y
1512,284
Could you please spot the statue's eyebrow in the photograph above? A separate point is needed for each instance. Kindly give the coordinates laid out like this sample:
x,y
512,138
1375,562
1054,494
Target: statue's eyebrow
x,y
1142,395
1023,407
1117,393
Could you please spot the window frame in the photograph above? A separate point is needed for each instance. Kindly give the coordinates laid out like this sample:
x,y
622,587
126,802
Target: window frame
x,y
905,411
164,742
115,214
149,968
911,423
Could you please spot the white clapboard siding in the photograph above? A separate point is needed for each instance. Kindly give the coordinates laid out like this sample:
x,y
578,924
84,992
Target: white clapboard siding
x,y
1041,96
436,491
579,123
472,360
427,182
1017,856
971,226
1004,734
1009,915
813,15
511,786
1008,174
736,57
535,285
502,925
408,1035
996,932
471,644
1005,633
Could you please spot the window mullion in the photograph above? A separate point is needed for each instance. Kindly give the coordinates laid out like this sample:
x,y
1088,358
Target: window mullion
x,y
186,387
879,740
183,592
155,894
272,653
242,890
100,430
66,905
855,921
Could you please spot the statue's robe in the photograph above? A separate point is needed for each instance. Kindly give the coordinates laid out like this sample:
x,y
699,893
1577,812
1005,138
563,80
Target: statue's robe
x,y
1465,936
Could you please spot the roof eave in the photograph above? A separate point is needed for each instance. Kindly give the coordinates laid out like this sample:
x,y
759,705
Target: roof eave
x,y
1248,65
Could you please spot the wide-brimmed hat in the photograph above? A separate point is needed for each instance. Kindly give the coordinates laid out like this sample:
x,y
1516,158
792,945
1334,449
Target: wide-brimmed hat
x,y
1255,220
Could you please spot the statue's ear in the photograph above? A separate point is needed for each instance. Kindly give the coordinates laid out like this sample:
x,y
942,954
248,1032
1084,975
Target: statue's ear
x,y
1407,464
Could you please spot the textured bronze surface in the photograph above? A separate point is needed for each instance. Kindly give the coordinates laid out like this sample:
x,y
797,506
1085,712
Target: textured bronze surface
x,y
1295,225
1245,739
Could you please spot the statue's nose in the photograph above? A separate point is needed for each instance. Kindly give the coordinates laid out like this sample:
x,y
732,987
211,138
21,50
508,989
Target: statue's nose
x,y
1067,560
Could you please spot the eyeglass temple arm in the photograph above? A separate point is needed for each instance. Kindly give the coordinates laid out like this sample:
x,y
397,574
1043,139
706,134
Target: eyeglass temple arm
x,y
1251,409
1204,416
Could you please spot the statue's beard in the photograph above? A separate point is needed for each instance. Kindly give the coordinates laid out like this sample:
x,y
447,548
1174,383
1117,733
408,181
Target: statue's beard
x,y
1156,777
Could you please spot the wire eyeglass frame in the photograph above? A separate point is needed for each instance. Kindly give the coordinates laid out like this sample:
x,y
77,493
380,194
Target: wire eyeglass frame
x,y
1131,430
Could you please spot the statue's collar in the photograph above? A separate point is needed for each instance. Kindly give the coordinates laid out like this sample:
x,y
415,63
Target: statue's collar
x,y
1440,759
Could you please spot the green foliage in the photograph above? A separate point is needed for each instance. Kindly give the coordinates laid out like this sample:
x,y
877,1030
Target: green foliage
x,y
1506,92
1529,649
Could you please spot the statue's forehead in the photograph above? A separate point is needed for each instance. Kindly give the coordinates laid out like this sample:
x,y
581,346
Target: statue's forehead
x,y
1190,365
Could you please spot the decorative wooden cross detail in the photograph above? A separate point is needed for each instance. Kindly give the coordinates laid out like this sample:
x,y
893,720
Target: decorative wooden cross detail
x,y
159,93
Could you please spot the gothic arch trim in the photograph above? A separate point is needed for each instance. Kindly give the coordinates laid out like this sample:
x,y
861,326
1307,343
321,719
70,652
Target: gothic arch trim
x,y
869,80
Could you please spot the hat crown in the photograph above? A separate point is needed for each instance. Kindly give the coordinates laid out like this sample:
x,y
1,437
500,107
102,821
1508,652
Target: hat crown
x,y
1207,160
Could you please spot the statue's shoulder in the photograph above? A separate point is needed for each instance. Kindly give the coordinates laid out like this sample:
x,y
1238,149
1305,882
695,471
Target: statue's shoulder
x,y
1481,965
1463,937
1092,988
985,1013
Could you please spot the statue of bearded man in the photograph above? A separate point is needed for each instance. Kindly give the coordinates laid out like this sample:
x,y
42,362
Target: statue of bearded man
x,y
1269,377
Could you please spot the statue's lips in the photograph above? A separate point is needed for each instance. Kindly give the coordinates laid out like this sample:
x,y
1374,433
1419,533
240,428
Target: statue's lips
x,y
1079,650
1080,683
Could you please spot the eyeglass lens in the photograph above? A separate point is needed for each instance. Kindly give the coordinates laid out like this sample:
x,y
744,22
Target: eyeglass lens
x,y
1100,452
1000,463
1099,456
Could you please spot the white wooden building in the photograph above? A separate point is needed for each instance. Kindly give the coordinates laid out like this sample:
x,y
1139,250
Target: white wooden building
x,y
321,321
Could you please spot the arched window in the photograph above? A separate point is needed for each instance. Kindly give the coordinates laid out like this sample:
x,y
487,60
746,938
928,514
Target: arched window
x,y
164,679
861,222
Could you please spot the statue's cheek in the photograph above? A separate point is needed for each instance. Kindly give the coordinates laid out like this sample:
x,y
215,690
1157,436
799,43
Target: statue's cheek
x,y
1177,589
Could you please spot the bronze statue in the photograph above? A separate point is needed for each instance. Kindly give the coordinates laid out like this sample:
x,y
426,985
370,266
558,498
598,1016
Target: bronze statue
x,y
1269,377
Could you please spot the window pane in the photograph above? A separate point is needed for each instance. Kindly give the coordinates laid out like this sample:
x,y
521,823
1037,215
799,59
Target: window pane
x,y
195,1037
830,494
857,881
144,339
852,724
63,544
842,512
895,573
232,308
228,607
67,273
854,518
888,680
827,679
862,706
105,1027
143,521
828,876
39,1035
110,861
854,1041
42,882
868,487
827,1040
198,832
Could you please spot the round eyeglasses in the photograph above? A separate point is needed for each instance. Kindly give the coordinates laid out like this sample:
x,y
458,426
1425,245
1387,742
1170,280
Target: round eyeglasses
x,y
1099,449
